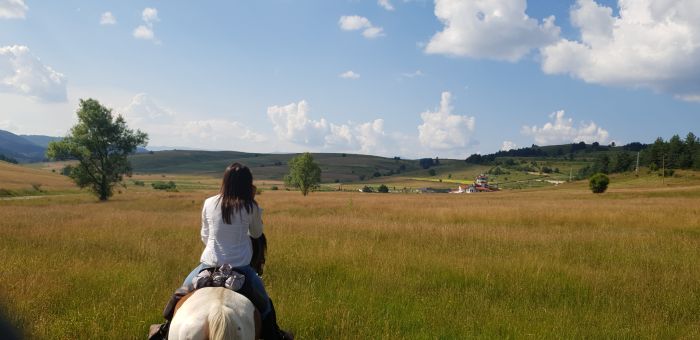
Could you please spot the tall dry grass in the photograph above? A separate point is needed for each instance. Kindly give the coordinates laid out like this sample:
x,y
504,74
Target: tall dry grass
x,y
543,264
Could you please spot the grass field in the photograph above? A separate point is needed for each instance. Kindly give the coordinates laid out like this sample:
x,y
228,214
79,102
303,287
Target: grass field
x,y
554,263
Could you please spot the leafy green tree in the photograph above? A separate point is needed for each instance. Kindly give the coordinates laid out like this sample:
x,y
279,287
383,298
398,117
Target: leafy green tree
x,y
383,189
599,183
304,173
690,151
101,143
675,150
622,162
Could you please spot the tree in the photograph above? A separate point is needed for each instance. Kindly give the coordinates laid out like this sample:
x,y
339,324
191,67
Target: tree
x,y
101,143
304,173
599,183
383,189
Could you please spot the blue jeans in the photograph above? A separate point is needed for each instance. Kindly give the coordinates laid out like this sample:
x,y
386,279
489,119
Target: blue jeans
x,y
253,287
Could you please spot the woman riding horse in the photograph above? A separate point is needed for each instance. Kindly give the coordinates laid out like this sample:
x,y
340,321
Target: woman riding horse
x,y
229,220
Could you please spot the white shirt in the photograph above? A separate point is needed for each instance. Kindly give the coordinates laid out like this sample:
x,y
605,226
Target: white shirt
x,y
228,243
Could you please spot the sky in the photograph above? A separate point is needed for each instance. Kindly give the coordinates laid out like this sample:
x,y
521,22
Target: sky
x,y
408,78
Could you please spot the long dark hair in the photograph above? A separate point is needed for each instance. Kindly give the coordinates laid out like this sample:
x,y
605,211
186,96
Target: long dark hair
x,y
236,191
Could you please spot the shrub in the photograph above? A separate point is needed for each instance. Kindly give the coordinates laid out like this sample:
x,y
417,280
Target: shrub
x,y
367,189
167,186
599,183
139,183
432,172
37,187
274,187
383,189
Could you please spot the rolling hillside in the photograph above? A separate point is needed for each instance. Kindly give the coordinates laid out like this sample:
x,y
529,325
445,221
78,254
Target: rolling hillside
x,y
19,148
334,166
18,180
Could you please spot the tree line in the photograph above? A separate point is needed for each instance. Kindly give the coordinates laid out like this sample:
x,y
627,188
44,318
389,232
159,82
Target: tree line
x,y
675,153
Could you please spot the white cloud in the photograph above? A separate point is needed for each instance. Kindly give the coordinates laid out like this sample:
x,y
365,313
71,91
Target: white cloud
x,y
495,29
291,123
386,4
13,9
442,130
23,73
107,18
508,145
356,22
349,75
371,137
143,32
150,15
219,132
169,128
652,43
562,130
416,73
144,109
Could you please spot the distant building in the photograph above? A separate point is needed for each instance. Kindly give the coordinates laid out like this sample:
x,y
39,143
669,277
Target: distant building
x,y
481,184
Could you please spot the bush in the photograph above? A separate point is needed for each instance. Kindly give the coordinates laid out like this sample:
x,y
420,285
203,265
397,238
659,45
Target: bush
x,y
599,183
383,189
167,186
367,189
274,187
432,172
139,183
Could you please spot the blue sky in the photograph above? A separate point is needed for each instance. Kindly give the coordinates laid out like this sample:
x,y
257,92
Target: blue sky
x,y
400,77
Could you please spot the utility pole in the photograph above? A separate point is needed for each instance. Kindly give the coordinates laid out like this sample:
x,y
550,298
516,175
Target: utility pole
x,y
636,169
663,168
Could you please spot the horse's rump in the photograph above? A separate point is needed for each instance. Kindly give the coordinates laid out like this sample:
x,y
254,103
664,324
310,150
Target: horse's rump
x,y
215,313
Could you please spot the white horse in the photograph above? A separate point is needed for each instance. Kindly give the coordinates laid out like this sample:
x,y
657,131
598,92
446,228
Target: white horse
x,y
214,313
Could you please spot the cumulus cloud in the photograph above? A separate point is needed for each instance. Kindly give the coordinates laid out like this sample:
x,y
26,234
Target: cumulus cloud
x,y
356,22
292,123
386,4
508,145
23,73
562,130
107,18
349,75
149,15
495,29
442,130
144,109
651,43
145,31
219,132
13,9
167,127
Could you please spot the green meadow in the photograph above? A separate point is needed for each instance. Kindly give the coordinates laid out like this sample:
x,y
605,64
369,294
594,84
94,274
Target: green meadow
x,y
557,262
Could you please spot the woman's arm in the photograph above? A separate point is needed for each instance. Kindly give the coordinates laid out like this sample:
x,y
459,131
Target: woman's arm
x,y
205,226
256,225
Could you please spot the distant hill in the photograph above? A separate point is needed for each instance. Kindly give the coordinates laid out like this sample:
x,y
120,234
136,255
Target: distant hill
x,y
20,148
41,140
29,148
335,166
